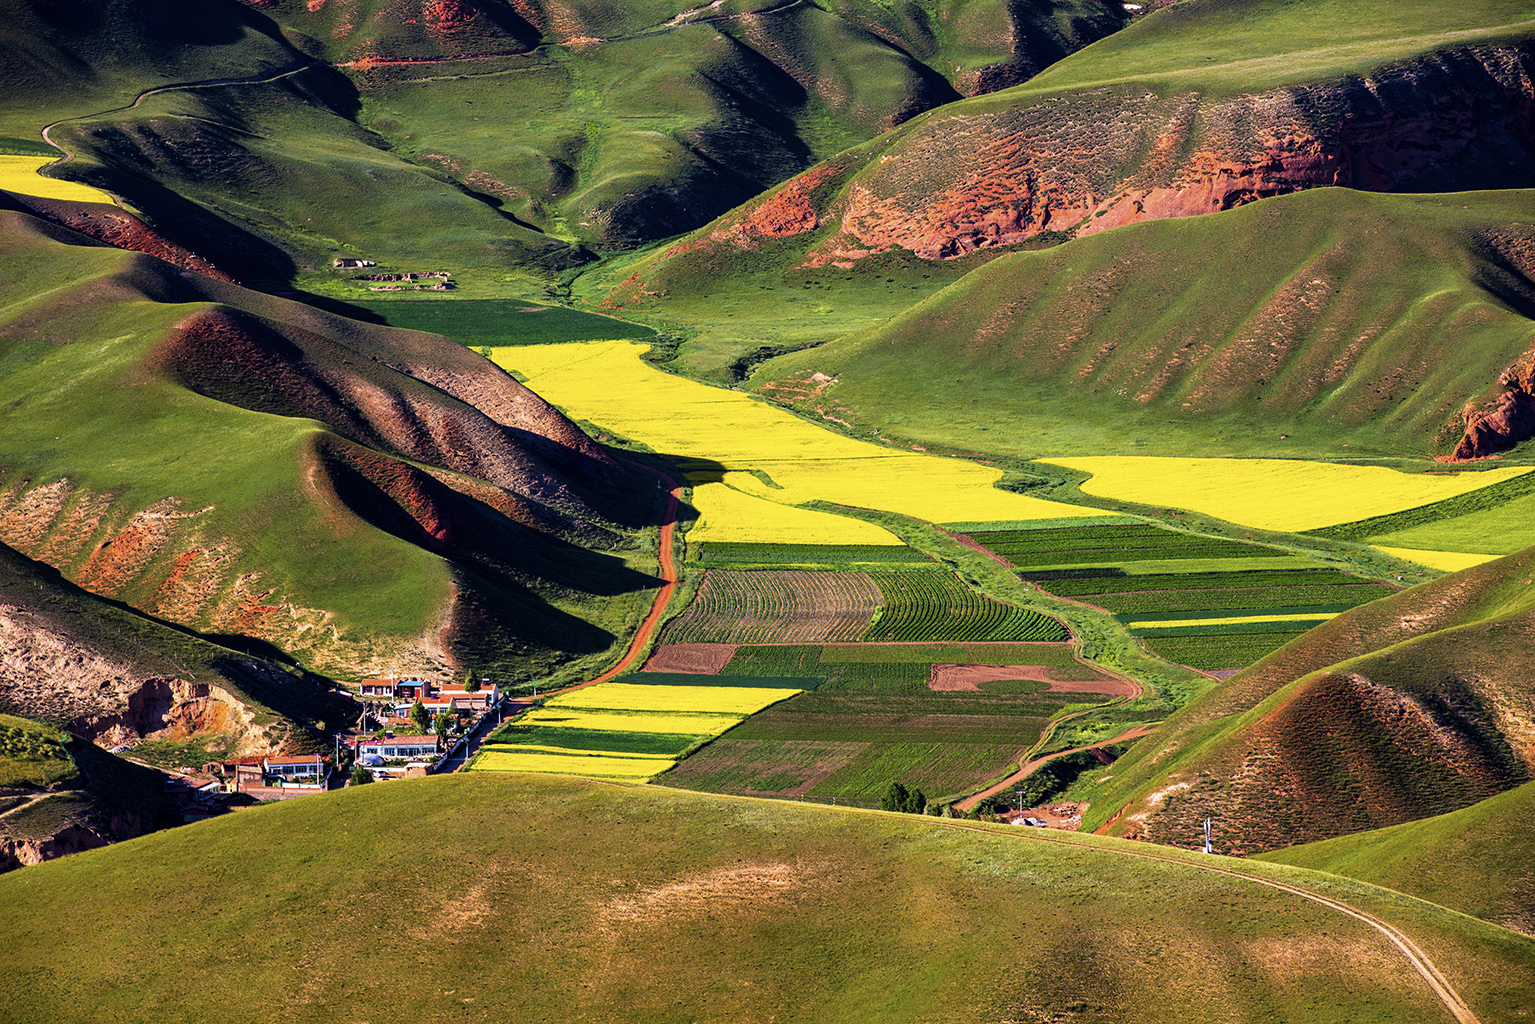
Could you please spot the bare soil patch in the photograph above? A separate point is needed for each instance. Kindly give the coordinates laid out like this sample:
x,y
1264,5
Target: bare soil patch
x,y
968,677
694,659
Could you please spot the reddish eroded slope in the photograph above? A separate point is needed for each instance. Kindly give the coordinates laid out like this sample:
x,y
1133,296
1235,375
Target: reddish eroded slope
x,y
987,174
181,490
113,227
235,357
1411,706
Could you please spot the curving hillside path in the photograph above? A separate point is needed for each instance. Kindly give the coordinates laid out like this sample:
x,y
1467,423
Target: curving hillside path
x,y
668,574
1437,982
1029,767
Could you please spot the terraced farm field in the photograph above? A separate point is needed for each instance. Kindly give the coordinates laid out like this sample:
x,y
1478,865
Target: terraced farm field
x,y
849,744
727,555
633,730
892,712
1211,604
790,606
734,607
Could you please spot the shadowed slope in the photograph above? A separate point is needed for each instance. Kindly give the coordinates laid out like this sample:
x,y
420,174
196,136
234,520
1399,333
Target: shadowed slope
x,y
254,467
1400,709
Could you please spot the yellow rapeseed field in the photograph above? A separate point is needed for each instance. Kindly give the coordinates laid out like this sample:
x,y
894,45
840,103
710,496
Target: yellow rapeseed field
x,y
19,174
1446,561
729,514
1227,620
634,721
573,752
1273,494
730,700
600,766
607,383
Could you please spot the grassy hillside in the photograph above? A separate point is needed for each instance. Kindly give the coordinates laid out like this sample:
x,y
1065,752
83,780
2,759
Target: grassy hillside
x,y
1209,105
363,498
1479,860
1360,324
713,909
59,794
111,674
1400,709
270,137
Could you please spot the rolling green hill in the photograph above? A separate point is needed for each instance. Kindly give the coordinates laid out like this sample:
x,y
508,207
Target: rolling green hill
x,y
364,498
1400,709
1479,860
1197,108
488,137
1358,324
536,898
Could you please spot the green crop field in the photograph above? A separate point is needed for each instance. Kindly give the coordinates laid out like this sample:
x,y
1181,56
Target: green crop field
x,y
1133,572
932,605
879,723
497,322
739,555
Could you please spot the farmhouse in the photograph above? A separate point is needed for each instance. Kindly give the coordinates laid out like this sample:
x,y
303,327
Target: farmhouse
x,y
280,778
395,689
456,698
397,748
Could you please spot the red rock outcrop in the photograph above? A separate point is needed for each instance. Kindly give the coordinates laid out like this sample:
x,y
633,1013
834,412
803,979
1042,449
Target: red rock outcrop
x,y
1091,161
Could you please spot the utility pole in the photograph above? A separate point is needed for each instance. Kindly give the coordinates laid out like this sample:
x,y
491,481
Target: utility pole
x,y
1020,801
1207,836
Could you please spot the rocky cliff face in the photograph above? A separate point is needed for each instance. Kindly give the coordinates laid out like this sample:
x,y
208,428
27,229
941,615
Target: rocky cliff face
x,y
1087,162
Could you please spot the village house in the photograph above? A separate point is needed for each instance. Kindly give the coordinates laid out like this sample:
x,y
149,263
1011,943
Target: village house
x,y
456,698
395,689
278,778
397,748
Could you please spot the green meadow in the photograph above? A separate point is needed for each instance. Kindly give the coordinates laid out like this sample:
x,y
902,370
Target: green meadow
x,y
720,909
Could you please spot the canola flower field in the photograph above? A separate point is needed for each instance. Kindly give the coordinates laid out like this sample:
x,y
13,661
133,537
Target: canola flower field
x,y
621,730
19,174
759,462
1273,494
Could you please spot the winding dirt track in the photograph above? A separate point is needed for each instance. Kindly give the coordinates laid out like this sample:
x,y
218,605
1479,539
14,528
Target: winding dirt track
x,y
658,607
1437,982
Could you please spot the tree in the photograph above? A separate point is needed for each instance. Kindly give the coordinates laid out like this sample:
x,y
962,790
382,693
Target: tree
x,y
471,684
360,775
445,722
419,717
898,798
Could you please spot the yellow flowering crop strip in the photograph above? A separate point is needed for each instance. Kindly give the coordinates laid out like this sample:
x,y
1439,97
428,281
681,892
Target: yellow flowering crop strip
x,y
19,174
593,766
1273,494
1228,620
607,383
729,700
632,721
572,752
729,514
1446,561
